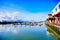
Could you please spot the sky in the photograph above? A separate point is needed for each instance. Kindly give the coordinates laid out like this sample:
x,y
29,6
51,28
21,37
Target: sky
x,y
29,10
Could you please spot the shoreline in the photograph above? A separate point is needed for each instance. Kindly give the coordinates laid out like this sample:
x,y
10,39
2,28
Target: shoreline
x,y
54,28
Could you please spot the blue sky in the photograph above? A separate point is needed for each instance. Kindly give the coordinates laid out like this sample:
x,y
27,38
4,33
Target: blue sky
x,y
28,9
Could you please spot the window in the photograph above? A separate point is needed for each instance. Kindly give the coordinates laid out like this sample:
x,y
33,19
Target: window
x,y
56,9
59,6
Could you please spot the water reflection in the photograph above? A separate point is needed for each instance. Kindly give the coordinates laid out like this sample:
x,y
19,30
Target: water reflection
x,y
51,32
23,32
7,28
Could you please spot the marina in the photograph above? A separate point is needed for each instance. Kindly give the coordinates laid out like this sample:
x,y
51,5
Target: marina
x,y
29,19
24,23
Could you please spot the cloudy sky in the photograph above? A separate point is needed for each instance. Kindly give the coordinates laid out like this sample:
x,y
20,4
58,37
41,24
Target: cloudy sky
x,y
29,10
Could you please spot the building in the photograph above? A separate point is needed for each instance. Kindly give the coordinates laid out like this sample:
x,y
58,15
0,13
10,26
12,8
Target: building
x,y
55,16
56,13
53,20
50,18
56,9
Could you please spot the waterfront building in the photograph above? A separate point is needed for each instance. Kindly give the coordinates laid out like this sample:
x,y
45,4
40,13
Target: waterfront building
x,y
56,9
55,16
50,18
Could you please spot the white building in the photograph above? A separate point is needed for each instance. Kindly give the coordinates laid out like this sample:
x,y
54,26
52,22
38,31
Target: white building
x,y
56,9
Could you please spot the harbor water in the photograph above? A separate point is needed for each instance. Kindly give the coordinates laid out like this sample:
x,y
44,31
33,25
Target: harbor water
x,y
25,32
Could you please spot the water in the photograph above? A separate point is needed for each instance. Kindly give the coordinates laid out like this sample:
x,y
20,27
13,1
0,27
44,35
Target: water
x,y
24,32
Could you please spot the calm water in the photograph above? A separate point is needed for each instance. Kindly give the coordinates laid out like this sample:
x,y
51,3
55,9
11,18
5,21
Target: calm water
x,y
18,32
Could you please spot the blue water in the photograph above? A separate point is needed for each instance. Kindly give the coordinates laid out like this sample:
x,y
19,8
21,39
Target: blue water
x,y
24,32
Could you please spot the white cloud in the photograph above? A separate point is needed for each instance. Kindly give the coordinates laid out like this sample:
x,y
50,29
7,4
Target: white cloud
x,y
26,16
